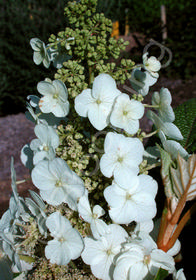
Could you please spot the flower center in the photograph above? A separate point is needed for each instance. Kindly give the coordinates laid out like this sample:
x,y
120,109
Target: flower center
x,y
46,148
109,252
120,159
55,96
94,216
98,101
62,240
125,113
147,259
128,196
58,183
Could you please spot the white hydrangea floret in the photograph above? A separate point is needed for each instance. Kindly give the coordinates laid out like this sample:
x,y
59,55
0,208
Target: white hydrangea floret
x,y
122,155
40,52
57,182
141,260
141,81
126,113
129,199
98,227
45,145
54,98
67,243
99,254
151,64
96,104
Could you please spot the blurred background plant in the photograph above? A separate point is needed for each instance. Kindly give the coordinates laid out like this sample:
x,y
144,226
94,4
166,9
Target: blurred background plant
x,y
19,22
22,20
144,18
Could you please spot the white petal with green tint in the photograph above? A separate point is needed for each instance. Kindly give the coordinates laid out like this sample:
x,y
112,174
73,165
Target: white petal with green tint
x,y
126,114
96,104
36,44
61,89
37,58
105,86
46,88
67,243
57,182
83,102
129,203
54,98
99,254
122,155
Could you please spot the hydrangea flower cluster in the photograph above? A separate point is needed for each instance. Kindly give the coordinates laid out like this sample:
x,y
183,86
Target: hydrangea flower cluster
x,y
111,251
113,228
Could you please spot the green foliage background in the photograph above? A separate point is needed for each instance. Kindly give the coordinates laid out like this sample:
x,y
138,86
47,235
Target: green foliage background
x,y
22,20
19,22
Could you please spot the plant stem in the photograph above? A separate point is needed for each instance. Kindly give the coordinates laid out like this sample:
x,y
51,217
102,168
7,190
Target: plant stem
x,y
149,167
151,106
181,225
22,181
151,134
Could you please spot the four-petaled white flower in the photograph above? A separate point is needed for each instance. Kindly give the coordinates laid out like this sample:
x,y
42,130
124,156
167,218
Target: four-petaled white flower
x,y
130,198
67,243
99,254
122,156
98,227
96,104
141,260
141,81
126,114
44,147
151,64
163,100
57,182
54,99
40,52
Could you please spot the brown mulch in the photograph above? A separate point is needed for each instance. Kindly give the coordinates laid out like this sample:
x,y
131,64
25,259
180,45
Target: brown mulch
x,y
15,132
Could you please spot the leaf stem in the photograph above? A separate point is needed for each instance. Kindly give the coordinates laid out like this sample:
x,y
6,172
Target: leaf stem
x,y
151,106
180,226
151,134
